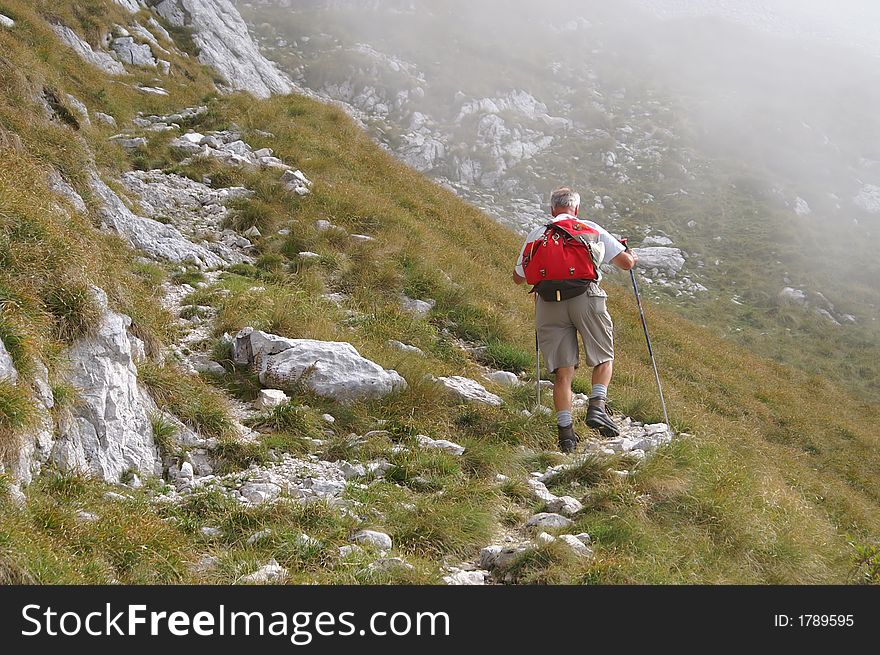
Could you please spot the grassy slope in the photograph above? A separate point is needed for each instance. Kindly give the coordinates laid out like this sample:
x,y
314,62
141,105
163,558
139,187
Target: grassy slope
x,y
779,475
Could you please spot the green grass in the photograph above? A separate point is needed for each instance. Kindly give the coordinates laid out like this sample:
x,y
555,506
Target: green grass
x,y
769,488
193,401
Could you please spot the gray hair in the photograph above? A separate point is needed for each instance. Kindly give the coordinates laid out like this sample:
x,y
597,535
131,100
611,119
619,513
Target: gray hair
x,y
564,198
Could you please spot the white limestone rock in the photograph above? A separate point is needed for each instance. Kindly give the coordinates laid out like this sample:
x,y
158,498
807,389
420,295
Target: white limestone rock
x,y
406,348
461,578
378,540
109,430
539,489
665,259
577,546
549,521
79,108
157,240
440,444
269,398
468,389
6,22
59,186
270,573
225,44
564,505
330,369
418,308
8,372
129,52
504,378
96,58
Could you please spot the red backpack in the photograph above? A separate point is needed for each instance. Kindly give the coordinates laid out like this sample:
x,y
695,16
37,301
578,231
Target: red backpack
x,y
568,250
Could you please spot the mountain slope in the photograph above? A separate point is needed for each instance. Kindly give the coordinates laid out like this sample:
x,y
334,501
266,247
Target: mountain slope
x,y
764,486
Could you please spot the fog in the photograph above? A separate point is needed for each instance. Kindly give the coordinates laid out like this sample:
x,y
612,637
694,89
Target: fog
x,y
777,98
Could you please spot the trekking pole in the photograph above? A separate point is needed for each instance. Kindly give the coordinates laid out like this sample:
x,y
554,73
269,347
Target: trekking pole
x,y
632,274
537,371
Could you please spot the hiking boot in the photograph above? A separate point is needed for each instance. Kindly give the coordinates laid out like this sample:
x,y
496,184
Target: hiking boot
x,y
567,438
597,418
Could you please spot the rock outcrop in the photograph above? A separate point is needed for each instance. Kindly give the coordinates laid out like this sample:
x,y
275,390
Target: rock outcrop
x,y
97,58
225,44
158,240
108,432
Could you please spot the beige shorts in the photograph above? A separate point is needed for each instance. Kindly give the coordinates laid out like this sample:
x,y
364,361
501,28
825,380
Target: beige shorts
x,y
558,325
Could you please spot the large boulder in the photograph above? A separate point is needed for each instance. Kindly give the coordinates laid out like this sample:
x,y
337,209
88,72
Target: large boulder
x,y
108,431
666,260
329,368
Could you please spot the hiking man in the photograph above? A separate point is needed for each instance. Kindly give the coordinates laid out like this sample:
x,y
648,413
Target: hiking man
x,y
562,260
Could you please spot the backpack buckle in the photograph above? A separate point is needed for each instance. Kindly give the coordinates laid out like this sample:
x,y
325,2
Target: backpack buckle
x,y
571,271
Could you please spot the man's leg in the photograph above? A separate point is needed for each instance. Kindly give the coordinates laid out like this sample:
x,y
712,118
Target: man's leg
x,y
562,390
597,417
562,403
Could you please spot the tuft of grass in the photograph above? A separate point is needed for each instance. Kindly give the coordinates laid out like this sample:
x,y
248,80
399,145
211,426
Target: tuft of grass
x,y
75,311
17,412
507,357
198,405
164,433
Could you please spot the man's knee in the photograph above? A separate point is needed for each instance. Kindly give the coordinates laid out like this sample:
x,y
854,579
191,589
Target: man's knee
x,y
564,373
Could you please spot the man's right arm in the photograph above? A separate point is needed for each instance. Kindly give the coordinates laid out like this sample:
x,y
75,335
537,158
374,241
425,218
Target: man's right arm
x,y
625,260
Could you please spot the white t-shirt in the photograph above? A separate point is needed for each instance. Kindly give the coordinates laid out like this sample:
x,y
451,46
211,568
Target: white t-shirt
x,y
613,247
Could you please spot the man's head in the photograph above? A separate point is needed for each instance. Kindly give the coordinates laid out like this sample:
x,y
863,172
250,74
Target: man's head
x,y
564,201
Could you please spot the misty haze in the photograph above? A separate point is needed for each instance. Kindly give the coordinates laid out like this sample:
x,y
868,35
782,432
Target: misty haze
x,y
738,141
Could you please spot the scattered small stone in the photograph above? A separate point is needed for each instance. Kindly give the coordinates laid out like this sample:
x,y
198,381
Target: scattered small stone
x,y
257,493
500,478
398,345
576,545
564,505
115,497
270,573
211,533
544,538
328,418
253,233
378,540
262,535
389,565
205,564
6,22
309,255
352,470
494,556
549,520
86,517
269,398
504,378
461,578
539,489
322,226
349,550
440,444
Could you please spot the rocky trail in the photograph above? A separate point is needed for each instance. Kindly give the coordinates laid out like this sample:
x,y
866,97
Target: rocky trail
x,y
184,225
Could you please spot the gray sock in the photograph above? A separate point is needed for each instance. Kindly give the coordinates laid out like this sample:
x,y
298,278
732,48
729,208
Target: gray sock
x,y
563,418
599,391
